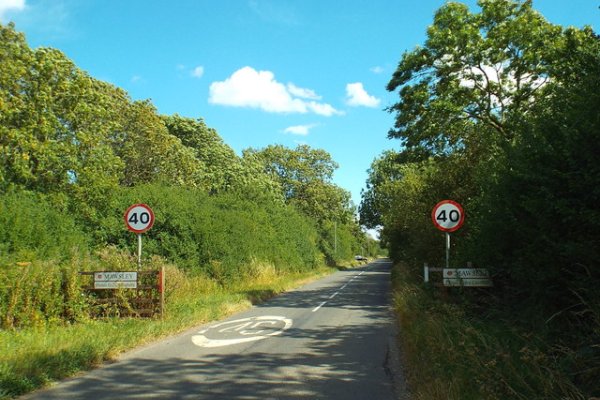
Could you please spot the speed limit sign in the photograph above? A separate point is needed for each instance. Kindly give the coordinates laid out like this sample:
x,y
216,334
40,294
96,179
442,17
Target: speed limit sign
x,y
139,218
448,216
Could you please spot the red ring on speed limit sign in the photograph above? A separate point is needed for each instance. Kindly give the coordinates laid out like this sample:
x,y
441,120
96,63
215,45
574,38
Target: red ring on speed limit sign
x,y
139,218
448,216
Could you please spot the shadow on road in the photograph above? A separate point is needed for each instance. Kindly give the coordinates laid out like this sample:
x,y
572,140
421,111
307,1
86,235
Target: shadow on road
x,y
336,359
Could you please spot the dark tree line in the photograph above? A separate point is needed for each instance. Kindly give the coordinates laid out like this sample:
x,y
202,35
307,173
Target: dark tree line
x,y
499,110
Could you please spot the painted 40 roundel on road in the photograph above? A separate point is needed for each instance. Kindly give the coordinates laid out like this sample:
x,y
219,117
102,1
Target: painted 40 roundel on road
x,y
448,216
139,218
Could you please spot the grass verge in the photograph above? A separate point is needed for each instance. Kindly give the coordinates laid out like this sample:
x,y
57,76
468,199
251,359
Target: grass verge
x,y
452,354
31,358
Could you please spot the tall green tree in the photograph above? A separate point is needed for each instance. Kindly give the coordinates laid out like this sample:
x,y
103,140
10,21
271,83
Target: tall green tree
x,y
223,169
305,176
220,160
51,138
499,110
481,70
150,152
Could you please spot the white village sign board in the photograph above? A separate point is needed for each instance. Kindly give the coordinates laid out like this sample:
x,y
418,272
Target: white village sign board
x,y
470,277
115,280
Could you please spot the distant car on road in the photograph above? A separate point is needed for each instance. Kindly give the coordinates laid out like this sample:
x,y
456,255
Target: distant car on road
x,y
360,258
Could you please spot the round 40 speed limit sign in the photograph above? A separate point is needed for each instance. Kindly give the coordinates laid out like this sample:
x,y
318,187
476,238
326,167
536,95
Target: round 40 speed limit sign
x,y
448,216
139,218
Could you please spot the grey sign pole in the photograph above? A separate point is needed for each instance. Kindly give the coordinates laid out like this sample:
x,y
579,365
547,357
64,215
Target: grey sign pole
x,y
139,252
447,250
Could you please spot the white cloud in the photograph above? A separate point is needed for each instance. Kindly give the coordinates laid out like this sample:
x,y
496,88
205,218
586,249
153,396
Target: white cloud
x,y
304,93
197,72
377,70
247,87
357,96
301,130
323,109
10,5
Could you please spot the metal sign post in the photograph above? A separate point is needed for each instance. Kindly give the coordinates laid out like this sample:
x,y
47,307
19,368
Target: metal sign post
x,y
447,250
139,252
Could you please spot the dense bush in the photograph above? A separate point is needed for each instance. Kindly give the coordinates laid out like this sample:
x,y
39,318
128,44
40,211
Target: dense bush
x,y
40,292
31,226
223,237
217,234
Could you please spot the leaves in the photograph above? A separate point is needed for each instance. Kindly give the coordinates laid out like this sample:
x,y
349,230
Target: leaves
x,y
499,111
305,175
475,69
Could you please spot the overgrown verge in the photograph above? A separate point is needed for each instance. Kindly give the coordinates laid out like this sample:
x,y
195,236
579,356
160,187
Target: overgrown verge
x,y
456,351
49,350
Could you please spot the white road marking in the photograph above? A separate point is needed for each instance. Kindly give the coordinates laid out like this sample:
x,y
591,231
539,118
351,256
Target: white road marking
x,y
337,292
319,306
247,330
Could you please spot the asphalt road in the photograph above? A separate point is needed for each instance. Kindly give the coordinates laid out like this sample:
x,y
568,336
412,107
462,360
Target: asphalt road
x,y
331,339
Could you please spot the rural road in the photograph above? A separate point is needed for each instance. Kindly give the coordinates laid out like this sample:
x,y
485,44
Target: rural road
x,y
331,339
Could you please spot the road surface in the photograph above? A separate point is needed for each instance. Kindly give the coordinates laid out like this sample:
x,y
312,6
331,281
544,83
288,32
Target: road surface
x,y
330,339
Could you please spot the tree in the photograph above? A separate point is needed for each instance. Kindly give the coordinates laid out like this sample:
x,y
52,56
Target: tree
x,y
305,176
484,70
150,152
384,173
294,168
220,160
50,138
223,169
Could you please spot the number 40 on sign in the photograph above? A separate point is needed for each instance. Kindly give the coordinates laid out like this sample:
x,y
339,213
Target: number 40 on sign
x,y
139,218
448,216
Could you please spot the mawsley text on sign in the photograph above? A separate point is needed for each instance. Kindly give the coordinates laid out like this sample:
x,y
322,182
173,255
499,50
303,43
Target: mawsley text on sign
x,y
115,280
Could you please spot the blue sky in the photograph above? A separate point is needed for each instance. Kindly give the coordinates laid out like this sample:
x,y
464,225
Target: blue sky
x,y
258,71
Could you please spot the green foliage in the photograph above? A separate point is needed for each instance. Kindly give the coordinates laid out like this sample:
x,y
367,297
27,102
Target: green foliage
x,y
220,234
223,237
49,141
475,69
38,293
150,153
498,111
31,227
305,175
